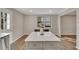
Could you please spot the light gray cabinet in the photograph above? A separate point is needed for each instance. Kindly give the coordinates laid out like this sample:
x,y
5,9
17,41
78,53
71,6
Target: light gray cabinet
x,y
43,45
34,45
4,41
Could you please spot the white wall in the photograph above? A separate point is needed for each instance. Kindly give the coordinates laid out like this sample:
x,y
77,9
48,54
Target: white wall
x,y
54,21
30,23
68,25
16,24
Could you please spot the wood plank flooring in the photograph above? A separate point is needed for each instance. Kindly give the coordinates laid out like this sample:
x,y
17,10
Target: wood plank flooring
x,y
67,43
19,44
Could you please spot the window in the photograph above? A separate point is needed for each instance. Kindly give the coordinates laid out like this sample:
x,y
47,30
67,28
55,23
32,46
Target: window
x,y
8,21
5,21
45,20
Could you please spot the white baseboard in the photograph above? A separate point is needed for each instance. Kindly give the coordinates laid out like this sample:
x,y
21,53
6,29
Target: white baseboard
x,y
16,39
69,34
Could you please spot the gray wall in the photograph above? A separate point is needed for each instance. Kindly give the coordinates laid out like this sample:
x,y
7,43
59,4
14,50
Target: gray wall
x,y
16,24
68,25
30,23
54,21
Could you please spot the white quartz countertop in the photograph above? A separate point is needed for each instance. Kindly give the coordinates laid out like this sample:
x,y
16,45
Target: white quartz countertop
x,y
48,36
3,34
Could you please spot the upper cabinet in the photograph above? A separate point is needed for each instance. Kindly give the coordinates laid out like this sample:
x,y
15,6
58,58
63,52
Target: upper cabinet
x,y
4,20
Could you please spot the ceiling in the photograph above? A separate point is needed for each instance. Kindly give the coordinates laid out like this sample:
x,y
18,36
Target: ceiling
x,y
72,13
40,11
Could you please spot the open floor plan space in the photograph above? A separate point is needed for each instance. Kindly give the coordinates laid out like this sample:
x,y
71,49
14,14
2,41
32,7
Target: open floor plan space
x,y
66,43
39,28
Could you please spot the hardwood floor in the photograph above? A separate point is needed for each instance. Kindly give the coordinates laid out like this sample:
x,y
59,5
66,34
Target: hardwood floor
x,y
19,44
67,43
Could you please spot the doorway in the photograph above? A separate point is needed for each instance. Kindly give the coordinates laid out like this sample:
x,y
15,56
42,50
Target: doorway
x,y
68,28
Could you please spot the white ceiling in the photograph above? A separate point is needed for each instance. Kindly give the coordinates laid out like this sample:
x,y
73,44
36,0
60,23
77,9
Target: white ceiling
x,y
72,13
40,11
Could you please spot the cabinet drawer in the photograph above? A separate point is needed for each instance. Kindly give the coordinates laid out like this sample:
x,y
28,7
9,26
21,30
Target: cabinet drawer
x,y
34,45
50,45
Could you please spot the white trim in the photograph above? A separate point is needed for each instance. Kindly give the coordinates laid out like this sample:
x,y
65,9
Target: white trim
x,y
68,34
59,26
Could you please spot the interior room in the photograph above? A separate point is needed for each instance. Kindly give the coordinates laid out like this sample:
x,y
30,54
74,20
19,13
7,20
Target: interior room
x,y
39,29
68,28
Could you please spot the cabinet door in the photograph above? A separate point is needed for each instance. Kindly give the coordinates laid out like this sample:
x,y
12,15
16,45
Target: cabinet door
x,y
0,20
34,45
51,45
0,44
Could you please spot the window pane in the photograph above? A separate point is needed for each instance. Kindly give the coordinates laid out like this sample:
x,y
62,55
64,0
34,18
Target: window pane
x,y
8,21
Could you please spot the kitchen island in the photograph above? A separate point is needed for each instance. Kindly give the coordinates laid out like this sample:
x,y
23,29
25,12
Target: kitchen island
x,y
36,41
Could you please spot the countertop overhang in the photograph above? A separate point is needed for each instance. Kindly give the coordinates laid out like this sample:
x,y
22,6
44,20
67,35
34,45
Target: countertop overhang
x,y
48,36
3,34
